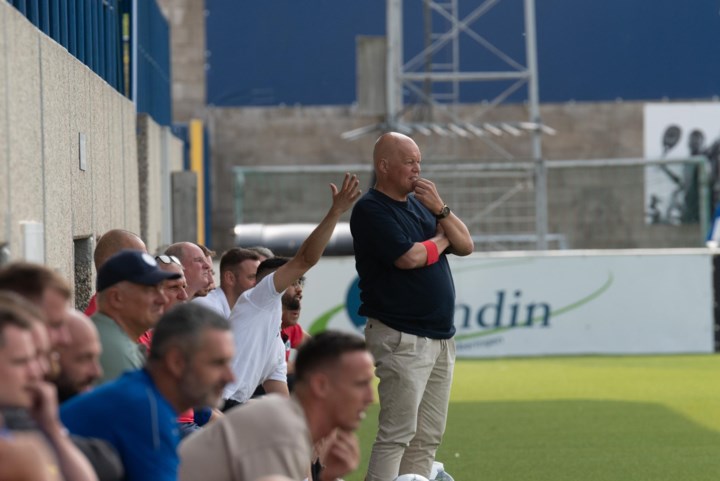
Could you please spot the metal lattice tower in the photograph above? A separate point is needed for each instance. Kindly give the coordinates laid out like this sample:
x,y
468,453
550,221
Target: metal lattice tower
x,y
422,68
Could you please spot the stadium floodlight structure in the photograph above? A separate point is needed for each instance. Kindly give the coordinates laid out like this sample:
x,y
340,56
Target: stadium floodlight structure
x,y
420,73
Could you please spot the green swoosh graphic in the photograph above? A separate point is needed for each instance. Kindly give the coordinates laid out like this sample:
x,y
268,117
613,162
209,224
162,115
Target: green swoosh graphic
x,y
555,313
320,324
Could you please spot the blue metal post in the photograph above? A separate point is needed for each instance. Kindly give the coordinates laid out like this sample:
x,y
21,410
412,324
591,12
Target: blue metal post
x,y
73,28
89,37
33,13
110,46
80,28
20,5
45,16
95,8
63,23
102,71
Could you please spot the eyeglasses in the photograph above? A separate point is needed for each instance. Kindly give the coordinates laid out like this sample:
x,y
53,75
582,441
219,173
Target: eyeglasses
x,y
168,260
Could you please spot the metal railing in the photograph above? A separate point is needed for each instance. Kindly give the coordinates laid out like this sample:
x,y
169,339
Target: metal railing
x,y
591,204
89,29
152,78
125,42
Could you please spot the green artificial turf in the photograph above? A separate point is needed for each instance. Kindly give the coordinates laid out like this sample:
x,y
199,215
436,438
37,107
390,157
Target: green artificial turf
x,y
580,418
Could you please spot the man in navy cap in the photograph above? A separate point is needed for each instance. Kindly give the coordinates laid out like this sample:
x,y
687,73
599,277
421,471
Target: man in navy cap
x,y
130,301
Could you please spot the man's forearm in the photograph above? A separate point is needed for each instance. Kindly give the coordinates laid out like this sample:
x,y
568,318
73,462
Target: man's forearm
x,y
276,387
458,235
417,255
312,248
73,464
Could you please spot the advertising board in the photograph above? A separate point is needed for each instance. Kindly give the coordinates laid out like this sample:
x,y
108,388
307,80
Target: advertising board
x,y
572,302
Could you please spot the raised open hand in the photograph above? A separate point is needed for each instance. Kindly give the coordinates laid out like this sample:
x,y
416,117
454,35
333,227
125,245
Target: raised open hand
x,y
344,198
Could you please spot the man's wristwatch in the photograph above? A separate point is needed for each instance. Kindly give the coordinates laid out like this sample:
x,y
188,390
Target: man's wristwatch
x,y
443,213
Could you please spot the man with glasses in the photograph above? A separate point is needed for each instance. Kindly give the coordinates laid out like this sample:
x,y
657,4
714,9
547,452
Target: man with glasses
x,y
256,317
175,289
175,293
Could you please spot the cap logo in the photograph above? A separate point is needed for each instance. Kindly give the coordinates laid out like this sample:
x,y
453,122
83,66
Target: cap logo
x,y
149,260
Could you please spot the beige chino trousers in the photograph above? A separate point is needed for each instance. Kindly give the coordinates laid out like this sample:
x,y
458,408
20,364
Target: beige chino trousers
x,y
415,378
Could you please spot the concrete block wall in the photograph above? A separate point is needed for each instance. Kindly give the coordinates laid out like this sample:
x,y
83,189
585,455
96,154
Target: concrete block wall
x,y
172,162
149,165
23,140
48,101
160,154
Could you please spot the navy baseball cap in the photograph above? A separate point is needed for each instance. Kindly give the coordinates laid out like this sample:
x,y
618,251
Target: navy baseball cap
x,y
132,266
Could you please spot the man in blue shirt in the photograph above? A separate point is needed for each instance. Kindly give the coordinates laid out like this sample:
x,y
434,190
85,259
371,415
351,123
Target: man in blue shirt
x,y
402,231
188,366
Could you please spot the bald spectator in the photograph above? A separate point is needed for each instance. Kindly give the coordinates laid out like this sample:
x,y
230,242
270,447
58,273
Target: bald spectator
x,y
238,269
195,264
275,435
109,244
209,256
80,360
130,301
187,367
23,387
44,288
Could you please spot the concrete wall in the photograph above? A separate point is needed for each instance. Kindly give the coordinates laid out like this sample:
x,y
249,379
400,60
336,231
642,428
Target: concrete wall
x,y
159,155
49,101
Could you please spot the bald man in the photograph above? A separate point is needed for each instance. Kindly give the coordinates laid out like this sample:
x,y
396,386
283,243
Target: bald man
x,y
196,266
80,360
109,244
402,232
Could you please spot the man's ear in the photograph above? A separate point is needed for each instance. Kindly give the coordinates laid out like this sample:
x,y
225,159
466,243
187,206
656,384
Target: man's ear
x,y
175,362
320,385
228,278
114,296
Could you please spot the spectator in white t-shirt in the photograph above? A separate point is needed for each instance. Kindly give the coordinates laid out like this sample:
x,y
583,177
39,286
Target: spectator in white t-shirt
x,y
238,268
255,318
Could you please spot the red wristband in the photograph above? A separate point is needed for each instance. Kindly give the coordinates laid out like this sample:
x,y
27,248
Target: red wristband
x,y
432,252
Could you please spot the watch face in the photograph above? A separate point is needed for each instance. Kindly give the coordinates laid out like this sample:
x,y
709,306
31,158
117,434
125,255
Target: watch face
x,y
444,212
